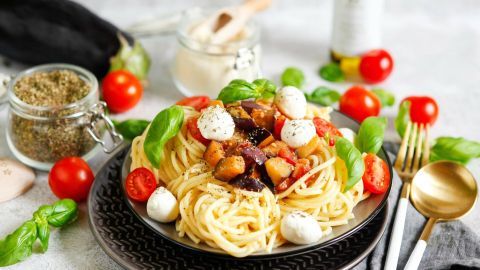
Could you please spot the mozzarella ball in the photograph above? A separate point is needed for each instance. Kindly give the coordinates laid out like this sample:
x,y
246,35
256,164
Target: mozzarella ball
x,y
300,228
348,134
291,102
297,133
216,123
162,206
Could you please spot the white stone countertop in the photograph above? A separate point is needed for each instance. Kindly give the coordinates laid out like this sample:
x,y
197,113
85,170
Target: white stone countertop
x,y
435,44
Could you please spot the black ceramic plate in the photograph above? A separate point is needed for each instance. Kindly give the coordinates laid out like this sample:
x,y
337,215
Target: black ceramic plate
x,y
363,213
133,245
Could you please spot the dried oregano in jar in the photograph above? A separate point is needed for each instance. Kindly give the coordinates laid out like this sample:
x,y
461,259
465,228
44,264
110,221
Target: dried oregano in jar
x,y
54,125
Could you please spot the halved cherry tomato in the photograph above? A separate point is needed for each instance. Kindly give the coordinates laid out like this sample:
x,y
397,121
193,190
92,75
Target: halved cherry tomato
x,y
277,127
71,177
288,155
375,66
301,168
140,184
324,127
359,103
197,102
423,109
376,177
121,90
192,127
284,185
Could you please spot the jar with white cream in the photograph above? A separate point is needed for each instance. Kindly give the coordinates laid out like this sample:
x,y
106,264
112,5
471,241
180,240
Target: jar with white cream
x,y
201,67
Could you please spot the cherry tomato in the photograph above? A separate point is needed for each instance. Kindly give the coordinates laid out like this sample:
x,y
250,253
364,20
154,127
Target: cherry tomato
x,y
375,66
277,127
324,127
121,90
197,102
284,185
71,177
140,184
192,127
359,103
376,177
423,109
288,155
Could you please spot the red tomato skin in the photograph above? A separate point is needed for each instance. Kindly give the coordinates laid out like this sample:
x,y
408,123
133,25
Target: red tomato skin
x,y
121,90
197,102
423,109
71,177
192,127
284,185
288,155
376,66
277,127
140,184
376,178
323,127
359,103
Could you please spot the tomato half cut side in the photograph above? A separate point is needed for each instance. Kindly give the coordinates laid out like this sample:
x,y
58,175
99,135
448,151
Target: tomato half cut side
x,y
376,177
192,127
197,102
140,184
323,127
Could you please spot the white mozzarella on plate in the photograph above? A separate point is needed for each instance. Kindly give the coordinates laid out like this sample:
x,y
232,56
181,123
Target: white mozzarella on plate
x,y
216,123
162,206
291,102
297,133
300,228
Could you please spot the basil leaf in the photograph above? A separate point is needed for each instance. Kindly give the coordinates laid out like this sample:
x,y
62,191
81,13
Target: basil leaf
x,y
347,152
165,126
43,229
240,89
293,76
403,117
131,128
370,135
332,73
63,212
134,59
386,98
454,149
17,246
324,96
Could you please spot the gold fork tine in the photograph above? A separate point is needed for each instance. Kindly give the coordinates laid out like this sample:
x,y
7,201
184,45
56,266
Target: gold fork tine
x,y
411,149
418,150
426,146
403,148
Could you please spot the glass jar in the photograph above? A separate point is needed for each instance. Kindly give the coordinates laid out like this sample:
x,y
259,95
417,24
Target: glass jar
x,y
40,135
204,68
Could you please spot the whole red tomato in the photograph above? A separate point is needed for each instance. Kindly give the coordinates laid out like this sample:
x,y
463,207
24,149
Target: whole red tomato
x,y
359,103
72,178
423,109
375,66
121,90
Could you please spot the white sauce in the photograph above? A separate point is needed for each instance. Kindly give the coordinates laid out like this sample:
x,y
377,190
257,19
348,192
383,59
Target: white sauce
x,y
297,133
291,102
216,123
300,228
162,206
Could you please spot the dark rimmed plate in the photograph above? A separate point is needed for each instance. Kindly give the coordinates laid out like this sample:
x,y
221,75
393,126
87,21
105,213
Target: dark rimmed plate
x,y
363,213
133,245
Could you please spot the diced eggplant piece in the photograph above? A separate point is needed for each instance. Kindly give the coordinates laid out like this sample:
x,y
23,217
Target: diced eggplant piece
x,y
253,154
262,170
264,118
258,135
249,105
232,146
229,167
272,149
309,148
214,153
244,181
246,124
278,169
270,139
238,112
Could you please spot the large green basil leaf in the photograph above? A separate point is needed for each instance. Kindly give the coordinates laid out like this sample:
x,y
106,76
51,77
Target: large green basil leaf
x,y
454,149
165,126
43,230
370,135
240,89
63,212
347,152
386,98
131,128
265,88
17,246
403,117
293,76
324,96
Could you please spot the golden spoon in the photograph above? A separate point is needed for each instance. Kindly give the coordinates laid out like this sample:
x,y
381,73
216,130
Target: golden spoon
x,y
441,191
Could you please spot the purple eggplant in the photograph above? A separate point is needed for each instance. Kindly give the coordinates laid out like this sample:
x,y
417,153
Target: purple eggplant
x,y
244,181
246,124
258,135
253,154
249,105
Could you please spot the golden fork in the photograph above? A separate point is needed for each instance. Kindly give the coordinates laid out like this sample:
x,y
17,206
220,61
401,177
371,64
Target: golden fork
x,y
414,153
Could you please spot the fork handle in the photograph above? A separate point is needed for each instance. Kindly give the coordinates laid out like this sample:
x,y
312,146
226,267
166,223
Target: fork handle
x,y
397,234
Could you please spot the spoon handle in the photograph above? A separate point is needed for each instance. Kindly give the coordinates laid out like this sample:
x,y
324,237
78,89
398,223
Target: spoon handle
x,y
417,254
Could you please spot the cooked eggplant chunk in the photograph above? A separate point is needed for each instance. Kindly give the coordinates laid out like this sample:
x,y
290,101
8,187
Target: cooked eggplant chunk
x,y
253,154
214,153
278,169
246,124
246,182
249,105
258,135
229,167
264,118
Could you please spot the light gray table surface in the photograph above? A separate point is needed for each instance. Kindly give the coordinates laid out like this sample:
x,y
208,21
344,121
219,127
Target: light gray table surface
x,y
435,44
